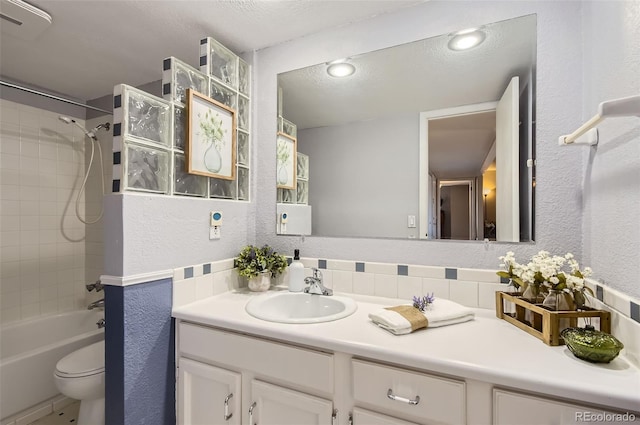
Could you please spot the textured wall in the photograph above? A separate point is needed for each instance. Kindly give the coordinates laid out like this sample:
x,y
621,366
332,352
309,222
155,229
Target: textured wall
x,y
148,233
559,103
368,192
140,354
611,180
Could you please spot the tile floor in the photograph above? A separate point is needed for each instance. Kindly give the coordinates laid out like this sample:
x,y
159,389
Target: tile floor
x,y
65,416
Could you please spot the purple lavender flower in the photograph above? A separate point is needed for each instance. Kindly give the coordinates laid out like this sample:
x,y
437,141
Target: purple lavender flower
x,y
422,303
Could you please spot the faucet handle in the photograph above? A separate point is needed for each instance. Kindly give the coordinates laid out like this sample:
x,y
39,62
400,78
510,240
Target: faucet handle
x,y
316,273
97,285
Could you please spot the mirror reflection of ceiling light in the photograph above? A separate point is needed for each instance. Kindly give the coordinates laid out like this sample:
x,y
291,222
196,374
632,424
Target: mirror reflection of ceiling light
x,y
466,39
340,69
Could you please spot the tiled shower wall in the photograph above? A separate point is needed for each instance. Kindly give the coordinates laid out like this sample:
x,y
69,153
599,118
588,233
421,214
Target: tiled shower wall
x,y
94,243
43,244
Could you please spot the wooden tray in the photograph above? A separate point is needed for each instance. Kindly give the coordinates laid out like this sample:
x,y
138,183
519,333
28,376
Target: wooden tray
x,y
545,323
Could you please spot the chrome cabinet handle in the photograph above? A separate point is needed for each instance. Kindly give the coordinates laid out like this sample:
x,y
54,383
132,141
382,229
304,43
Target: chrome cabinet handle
x,y
413,402
253,406
227,415
334,416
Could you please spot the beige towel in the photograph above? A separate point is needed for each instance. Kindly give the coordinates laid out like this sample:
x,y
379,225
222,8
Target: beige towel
x,y
405,319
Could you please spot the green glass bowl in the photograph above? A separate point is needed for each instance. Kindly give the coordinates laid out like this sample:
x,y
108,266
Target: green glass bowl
x,y
591,345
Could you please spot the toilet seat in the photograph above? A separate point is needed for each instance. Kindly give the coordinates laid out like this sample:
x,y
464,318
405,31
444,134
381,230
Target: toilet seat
x,y
86,361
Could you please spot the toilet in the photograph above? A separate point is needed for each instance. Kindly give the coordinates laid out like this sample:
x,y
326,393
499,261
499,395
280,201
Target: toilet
x,y
80,375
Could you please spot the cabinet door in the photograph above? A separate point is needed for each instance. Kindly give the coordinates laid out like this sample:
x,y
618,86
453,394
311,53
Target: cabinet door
x,y
207,395
366,417
513,408
276,405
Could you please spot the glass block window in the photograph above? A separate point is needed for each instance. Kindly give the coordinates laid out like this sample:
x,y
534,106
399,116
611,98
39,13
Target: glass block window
x,y
150,137
185,183
299,195
177,77
219,62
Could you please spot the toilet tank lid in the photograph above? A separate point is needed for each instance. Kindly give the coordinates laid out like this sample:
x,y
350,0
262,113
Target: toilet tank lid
x,y
83,360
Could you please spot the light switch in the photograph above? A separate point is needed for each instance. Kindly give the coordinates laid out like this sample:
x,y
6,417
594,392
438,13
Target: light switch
x,y
411,222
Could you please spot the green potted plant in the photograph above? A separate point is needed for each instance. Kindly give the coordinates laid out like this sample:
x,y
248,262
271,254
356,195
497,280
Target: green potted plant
x,y
259,265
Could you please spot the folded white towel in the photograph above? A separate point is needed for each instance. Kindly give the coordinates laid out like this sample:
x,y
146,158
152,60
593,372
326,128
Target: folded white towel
x,y
440,313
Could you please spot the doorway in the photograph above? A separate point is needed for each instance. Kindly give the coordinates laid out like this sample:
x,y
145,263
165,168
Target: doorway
x,y
456,210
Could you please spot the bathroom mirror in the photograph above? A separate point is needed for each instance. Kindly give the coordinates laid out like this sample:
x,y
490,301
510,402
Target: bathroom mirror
x,y
422,141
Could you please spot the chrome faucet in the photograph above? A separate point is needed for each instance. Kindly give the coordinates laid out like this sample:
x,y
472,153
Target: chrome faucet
x,y
97,285
96,304
101,323
315,284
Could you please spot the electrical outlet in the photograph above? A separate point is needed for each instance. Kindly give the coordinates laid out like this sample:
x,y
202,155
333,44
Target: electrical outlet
x,y
214,232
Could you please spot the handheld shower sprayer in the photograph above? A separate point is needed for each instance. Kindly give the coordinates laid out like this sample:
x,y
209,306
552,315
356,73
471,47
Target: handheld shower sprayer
x,y
90,134
94,140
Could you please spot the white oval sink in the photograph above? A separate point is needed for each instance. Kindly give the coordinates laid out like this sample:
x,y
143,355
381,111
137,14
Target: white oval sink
x,y
290,307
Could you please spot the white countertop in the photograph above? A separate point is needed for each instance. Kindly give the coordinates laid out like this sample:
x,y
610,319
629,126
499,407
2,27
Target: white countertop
x,y
485,349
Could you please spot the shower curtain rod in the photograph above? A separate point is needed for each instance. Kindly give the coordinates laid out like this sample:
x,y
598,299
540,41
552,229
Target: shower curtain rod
x,y
58,98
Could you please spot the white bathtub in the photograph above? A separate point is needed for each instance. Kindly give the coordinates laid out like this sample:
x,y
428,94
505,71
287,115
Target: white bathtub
x,y
30,349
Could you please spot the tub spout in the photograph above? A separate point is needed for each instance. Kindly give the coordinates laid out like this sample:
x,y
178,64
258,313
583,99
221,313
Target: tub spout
x,y
96,304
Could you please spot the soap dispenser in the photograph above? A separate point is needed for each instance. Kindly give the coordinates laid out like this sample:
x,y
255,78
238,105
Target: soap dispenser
x,y
296,273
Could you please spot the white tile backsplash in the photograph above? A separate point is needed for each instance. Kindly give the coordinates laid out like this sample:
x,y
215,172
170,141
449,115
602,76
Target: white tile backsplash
x,y
426,271
342,281
381,268
438,287
487,294
464,292
348,266
409,286
184,292
204,285
478,275
363,284
386,285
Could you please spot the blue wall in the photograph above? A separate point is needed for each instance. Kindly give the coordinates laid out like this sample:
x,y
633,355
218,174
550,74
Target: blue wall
x,y
140,354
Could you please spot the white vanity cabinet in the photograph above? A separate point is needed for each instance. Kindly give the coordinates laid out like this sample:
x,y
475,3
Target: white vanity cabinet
x,y
508,408
366,417
229,378
275,405
207,394
408,394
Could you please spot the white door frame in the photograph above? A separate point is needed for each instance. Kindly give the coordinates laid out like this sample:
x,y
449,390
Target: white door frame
x,y
470,202
424,155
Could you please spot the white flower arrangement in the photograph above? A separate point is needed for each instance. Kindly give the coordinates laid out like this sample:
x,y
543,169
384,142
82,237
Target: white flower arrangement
x,y
547,273
212,131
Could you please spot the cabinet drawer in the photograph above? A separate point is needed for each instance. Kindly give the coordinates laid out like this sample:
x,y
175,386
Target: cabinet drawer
x,y
365,417
441,400
512,407
281,362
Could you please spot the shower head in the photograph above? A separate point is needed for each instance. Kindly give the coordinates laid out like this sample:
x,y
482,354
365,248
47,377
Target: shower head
x,y
89,134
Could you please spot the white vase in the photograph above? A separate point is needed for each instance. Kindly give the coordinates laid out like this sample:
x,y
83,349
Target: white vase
x,y
212,158
283,176
260,283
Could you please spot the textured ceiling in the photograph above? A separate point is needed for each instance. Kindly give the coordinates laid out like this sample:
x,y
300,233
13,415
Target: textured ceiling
x,y
94,44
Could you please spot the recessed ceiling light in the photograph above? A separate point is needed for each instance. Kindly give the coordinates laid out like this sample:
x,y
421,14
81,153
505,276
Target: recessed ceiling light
x,y
341,69
466,39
